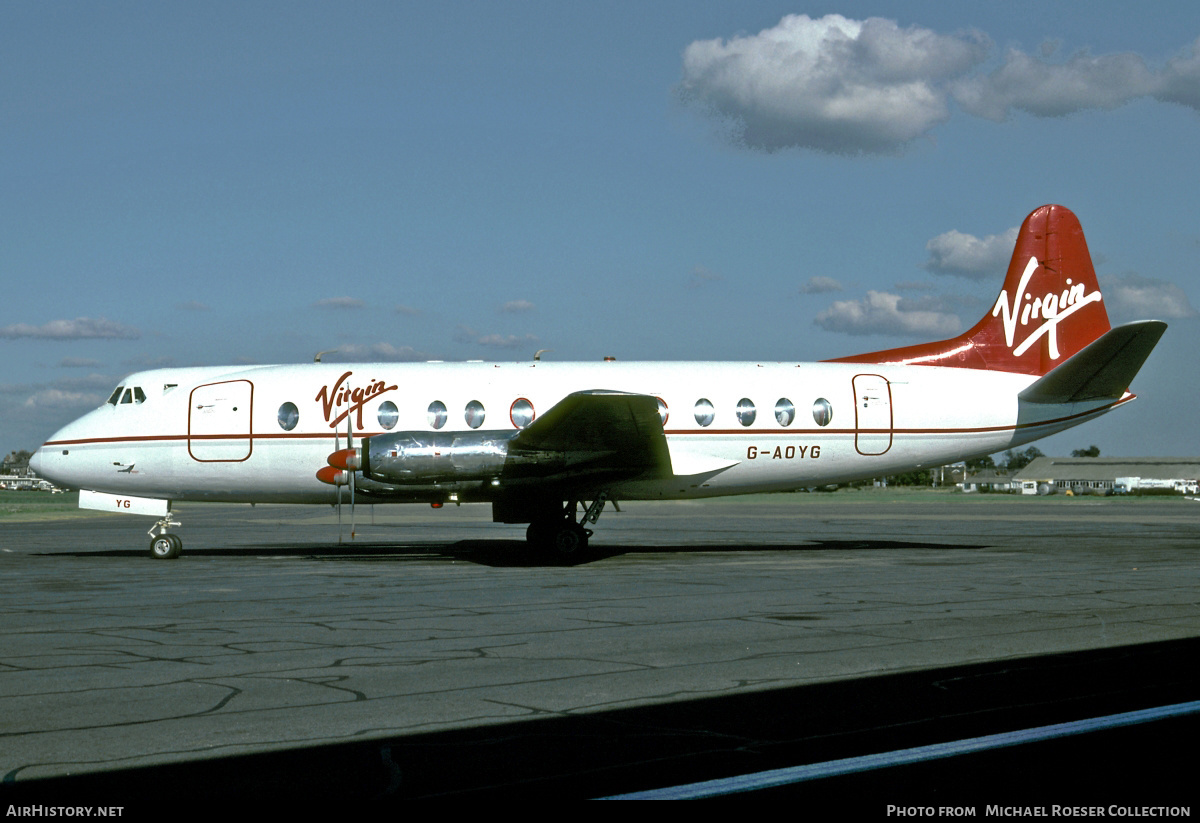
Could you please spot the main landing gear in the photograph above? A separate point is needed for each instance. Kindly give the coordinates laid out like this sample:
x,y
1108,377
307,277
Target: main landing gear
x,y
560,534
165,546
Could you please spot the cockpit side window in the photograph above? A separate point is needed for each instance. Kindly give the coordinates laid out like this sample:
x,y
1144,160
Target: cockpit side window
x,y
115,396
139,396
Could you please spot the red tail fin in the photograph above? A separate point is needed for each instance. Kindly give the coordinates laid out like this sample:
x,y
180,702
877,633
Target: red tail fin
x,y
1049,308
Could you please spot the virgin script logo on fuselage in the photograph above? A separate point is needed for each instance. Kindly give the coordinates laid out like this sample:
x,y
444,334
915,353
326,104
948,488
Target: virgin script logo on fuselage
x,y
343,399
1051,308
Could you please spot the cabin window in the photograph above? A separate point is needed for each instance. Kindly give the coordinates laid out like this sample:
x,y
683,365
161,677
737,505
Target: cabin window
x,y
388,414
746,411
288,416
662,410
474,414
785,412
822,411
704,412
437,414
521,413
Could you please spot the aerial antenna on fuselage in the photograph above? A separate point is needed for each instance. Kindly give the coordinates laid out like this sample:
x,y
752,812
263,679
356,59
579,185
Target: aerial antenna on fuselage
x,y
317,359
538,354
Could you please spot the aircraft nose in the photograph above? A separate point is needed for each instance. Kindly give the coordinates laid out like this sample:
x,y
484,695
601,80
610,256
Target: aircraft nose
x,y
35,463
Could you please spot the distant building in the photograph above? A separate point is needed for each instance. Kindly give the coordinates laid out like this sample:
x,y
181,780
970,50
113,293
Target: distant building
x,y
15,473
1104,475
986,480
16,463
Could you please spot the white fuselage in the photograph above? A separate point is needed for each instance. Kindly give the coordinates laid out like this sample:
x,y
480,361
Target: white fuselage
x,y
230,434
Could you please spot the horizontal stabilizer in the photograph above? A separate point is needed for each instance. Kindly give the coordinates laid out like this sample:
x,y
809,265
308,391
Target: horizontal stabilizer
x,y
1102,369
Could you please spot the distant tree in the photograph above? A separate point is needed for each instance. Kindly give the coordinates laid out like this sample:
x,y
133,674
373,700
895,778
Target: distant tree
x,y
985,462
1090,451
920,477
1015,460
17,460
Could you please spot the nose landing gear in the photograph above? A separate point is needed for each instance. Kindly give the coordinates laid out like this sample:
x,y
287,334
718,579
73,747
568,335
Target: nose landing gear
x,y
165,546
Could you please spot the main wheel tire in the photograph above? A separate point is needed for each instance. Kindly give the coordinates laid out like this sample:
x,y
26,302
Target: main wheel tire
x,y
570,540
166,547
539,533
561,538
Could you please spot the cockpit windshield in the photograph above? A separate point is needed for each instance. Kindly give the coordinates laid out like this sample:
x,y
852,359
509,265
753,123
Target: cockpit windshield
x,y
123,395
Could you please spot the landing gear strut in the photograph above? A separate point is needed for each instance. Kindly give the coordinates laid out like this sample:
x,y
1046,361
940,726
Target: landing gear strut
x,y
562,535
165,546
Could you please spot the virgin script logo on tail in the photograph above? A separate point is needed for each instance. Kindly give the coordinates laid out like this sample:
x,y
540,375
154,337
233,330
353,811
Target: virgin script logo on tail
x,y
1051,308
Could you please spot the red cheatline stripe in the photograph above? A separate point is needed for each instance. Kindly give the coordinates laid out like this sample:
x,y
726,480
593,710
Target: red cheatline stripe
x,y
674,432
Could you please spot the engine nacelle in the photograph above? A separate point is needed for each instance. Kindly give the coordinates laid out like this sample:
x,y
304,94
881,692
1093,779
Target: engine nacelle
x,y
435,457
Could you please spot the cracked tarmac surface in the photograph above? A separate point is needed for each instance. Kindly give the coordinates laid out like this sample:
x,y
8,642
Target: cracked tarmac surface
x,y
267,635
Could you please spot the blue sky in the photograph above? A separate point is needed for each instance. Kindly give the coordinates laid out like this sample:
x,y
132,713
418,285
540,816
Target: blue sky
x,y
230,183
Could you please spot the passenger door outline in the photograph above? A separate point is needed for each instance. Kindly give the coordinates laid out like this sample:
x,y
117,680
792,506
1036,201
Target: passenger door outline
x,y
219,422
872,414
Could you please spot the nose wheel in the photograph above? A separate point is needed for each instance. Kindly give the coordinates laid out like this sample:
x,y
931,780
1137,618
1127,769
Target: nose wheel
x,y
166,546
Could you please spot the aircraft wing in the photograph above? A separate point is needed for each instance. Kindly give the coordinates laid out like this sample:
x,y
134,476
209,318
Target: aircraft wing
x,y
613,434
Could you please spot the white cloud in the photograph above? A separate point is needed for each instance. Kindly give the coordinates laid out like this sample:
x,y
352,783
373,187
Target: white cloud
x,y
968,256
465,334
883,313
81,328
1134,297
948,304
1083,81
339,303
145,361
517,307
376,352
871,87
700,276
59,399
194,305
1180,80
914,285
1048,89
32,412
820,285
79,363
830,84
507,341
408,311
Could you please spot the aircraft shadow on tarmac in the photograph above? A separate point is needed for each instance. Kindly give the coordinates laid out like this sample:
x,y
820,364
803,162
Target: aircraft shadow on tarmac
x,y
510,553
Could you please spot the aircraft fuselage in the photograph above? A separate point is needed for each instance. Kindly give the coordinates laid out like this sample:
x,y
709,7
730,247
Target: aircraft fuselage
x,y
260,434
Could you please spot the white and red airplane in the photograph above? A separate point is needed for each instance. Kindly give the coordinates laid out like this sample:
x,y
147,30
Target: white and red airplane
x,y
540,441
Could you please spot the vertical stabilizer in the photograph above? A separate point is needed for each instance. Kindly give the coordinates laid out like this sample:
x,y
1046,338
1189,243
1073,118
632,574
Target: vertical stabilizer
x,y
1049,308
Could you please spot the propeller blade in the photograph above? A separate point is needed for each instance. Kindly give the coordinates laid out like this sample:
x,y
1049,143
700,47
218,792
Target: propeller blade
x,y
336,448
350,447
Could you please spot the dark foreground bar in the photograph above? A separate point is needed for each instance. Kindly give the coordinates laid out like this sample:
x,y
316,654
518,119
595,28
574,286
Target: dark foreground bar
x,y
609,753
